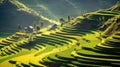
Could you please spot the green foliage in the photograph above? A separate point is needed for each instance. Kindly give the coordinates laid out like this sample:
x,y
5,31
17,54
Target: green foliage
x,y
62,20
69,18
42,24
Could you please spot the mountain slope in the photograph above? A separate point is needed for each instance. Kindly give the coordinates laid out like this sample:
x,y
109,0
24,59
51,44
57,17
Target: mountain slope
x,y
115,7
11,17
14,12
113,25
99,19
76,42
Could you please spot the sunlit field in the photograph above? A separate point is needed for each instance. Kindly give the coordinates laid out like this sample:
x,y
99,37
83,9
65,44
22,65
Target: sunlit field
x,y
88,40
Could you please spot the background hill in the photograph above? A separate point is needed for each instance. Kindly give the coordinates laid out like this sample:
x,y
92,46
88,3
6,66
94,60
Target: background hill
x,y
11,17
62,8
13,13
51,9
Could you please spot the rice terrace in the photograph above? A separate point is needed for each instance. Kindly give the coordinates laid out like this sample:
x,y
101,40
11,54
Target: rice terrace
x,y
91,39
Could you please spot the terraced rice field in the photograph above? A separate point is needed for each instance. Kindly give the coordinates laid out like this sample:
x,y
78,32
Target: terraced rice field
x,y
68,46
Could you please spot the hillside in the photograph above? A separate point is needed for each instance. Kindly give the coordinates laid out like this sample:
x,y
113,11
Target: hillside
x,y
77,42
113,25
11,17
14,12
115,7
101,19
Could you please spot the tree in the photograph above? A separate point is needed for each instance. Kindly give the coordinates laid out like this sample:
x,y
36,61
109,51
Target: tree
x,y
34,25
62,20
19,28
69,18
41,24
101,22
37,28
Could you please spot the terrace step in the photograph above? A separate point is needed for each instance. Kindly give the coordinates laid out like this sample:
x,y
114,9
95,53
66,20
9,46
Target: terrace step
x,y
35,65
107,61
